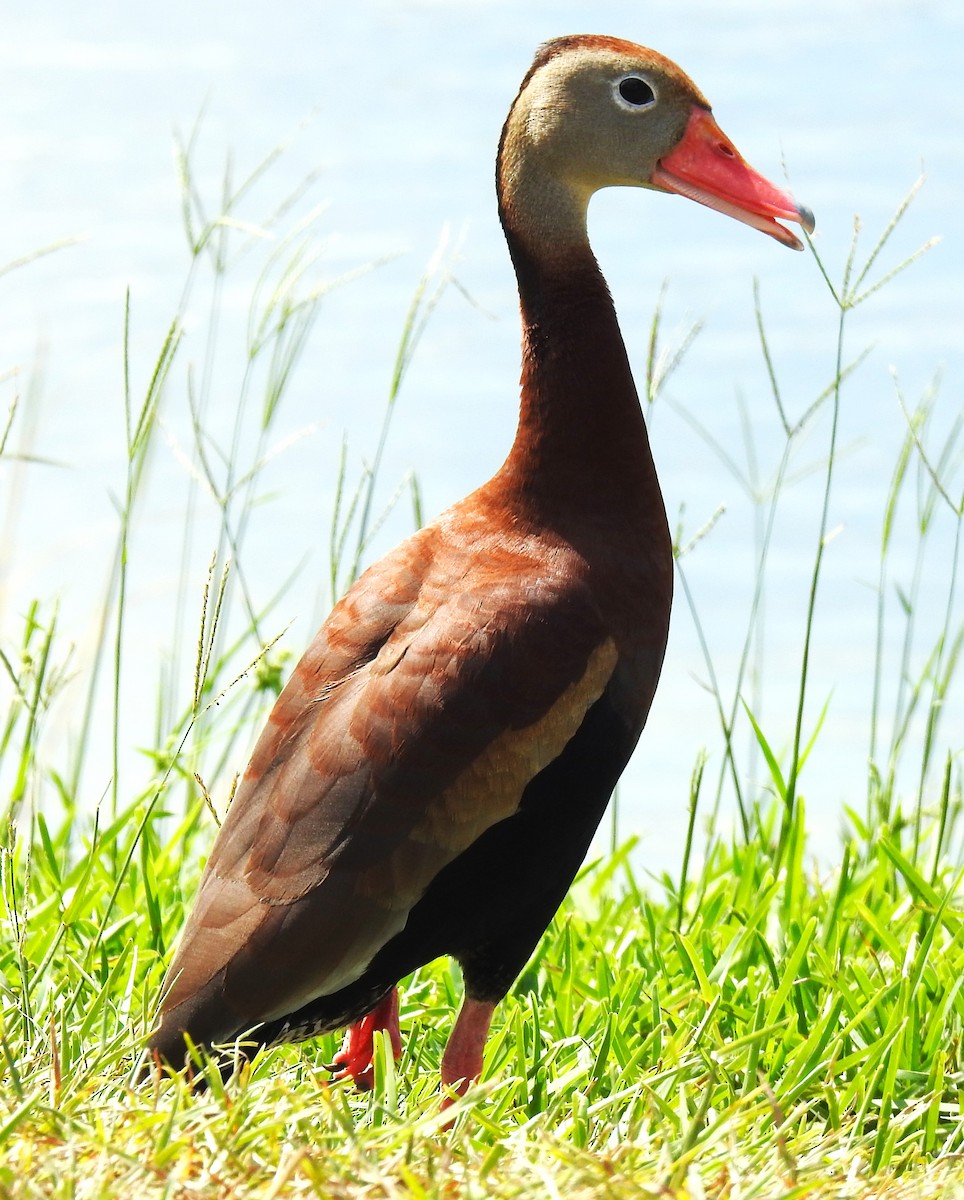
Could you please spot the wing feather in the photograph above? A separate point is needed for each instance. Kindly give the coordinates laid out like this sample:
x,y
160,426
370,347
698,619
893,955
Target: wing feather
x,y
445,680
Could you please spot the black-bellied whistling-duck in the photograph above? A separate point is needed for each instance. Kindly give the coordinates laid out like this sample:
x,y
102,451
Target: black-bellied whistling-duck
x,y
431,776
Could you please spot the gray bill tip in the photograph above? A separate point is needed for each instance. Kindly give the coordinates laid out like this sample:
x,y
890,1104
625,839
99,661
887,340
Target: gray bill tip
x,y
806,218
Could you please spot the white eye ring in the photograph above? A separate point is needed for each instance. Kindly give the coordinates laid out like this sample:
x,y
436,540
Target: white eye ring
x,y
634,93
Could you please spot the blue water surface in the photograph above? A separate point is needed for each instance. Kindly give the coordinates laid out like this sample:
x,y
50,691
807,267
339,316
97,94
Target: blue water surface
x,y
395,110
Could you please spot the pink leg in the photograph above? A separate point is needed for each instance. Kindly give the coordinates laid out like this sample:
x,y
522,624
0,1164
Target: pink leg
x,y
462,1060
354,1059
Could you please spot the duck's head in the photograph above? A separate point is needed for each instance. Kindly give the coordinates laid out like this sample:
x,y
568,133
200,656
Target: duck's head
x,y
597,112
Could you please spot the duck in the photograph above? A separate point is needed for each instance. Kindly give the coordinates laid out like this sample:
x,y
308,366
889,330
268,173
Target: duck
x,y
433,772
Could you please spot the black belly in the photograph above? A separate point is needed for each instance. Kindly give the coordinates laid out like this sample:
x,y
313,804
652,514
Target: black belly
x,y
489,907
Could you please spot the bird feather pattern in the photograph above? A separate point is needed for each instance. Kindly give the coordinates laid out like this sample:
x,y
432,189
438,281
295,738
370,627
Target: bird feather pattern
x,y
438,688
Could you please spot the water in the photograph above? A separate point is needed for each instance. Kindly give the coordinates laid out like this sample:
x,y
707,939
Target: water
x,y
400,106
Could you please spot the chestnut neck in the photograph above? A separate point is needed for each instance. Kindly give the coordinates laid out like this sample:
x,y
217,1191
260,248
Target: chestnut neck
x,y
581,440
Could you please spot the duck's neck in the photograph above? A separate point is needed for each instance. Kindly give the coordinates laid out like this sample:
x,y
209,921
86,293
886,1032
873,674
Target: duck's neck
x,y
581,435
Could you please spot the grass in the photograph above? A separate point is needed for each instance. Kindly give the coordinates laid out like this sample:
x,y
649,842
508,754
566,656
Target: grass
x,y
749,1025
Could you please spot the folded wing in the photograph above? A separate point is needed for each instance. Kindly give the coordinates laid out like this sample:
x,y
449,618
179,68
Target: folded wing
x,y
447,678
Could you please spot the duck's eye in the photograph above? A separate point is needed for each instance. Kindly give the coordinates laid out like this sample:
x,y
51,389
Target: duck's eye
x,y
635,91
